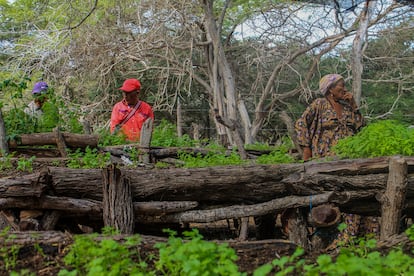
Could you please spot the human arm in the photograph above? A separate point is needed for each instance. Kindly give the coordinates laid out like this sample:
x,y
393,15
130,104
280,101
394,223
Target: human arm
x,y
115,118
304,128
357,118
350,100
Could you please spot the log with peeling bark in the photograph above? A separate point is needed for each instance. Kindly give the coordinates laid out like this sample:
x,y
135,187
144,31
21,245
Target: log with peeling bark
x,y
240,211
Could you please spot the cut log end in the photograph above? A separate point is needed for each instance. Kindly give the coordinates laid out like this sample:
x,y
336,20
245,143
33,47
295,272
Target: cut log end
x,y
325,215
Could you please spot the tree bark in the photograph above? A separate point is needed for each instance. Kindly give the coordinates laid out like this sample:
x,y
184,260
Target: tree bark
x,y
118,211
240,211
393,199
216,185
145,140
92,207
49,138
357,49
60,142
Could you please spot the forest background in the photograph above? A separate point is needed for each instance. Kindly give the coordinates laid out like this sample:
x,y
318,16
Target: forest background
x,y
254,64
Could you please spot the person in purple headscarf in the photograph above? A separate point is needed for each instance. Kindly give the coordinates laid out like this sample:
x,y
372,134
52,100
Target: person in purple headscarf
x,y
328,119
39,91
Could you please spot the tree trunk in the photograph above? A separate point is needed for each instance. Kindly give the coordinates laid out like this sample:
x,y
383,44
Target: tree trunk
x,y
357,49
179,119
221,77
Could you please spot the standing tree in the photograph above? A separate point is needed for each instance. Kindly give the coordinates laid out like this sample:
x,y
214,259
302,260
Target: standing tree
x,y
249,60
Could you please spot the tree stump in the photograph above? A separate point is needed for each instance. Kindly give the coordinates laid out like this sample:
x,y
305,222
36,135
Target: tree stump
x,y
295,226
118,211
392,201
145,140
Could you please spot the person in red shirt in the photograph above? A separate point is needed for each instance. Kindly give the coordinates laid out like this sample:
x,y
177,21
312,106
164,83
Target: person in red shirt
x,y
129,115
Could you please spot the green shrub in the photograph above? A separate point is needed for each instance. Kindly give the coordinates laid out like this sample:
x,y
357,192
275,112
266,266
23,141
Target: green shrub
x,y
165,135
6,161
360,257
88,159
17,122
279,154
88,256
195,256
25,164
210,159
107,139
382,138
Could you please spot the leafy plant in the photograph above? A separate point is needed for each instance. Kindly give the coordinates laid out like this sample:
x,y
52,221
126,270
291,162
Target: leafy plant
x,y
6,162
8,253
88,256
195,256
210,159
107,139
161,165
359,257
50,118
88,159
279,154
24,164
382,138
165,135
17,122
286,265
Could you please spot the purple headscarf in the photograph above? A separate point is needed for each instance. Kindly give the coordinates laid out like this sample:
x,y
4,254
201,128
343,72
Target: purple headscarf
x,y
327,80
40,87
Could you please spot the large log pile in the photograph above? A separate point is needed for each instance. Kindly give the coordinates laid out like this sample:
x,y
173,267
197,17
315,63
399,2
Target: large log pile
x,y
128,198
210,194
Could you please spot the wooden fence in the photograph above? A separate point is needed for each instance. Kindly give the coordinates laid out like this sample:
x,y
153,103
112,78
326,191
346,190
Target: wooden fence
x,y
127,199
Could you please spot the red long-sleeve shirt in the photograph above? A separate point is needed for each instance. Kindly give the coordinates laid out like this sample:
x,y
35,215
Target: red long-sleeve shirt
x,y
132,128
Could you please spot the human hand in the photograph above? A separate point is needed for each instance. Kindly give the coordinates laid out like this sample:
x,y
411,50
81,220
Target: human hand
x,y
349,97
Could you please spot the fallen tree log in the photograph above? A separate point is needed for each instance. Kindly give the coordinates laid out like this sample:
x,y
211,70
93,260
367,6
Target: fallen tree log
x,y
217,185
49,138
92,207
253,184
172,152
240,211
22,187
183,212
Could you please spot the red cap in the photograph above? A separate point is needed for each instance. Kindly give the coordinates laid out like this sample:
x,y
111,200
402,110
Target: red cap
x,y
131,85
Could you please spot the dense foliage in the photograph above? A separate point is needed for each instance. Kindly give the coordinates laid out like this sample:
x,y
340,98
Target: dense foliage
x,y
85,50
381,138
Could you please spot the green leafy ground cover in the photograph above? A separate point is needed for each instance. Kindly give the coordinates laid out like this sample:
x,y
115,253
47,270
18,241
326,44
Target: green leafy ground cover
x,y
190,254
